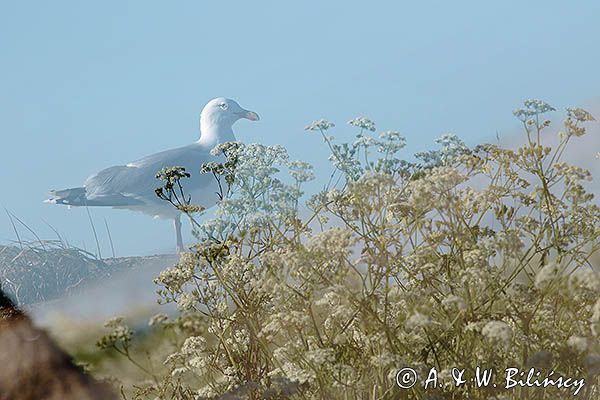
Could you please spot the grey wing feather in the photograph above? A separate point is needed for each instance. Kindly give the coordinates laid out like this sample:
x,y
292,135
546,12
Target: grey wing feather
x,y
138,180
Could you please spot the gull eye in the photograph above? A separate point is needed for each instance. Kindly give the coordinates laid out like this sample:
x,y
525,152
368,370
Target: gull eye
x,y
223,106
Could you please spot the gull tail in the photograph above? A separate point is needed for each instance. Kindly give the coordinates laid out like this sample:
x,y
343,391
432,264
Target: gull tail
x,y
77,197
69,197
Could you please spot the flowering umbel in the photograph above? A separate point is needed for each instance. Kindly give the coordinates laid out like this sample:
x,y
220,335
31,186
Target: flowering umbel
x,y
461,257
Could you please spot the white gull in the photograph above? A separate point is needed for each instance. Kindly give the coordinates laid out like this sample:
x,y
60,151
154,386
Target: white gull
x,y
132,186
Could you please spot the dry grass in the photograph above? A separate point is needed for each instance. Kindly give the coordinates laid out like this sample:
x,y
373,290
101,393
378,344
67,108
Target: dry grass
x,y
33,272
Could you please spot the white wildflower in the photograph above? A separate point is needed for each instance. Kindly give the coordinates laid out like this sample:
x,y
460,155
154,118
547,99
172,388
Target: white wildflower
x,y
301,171
586,279
497,331
319,125
579,114
363,123
454,301
114,322
578,343
546,275
320,356
186,301
158,319
532,108
418,320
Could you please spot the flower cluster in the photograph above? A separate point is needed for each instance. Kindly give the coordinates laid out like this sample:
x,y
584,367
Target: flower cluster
x,y
363,123
532,108
319,125
471,257
452,149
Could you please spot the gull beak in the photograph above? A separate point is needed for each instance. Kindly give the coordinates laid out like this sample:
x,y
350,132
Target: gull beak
x,y
251,115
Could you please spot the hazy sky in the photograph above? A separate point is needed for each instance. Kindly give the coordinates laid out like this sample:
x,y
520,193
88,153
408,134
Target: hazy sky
x,y
88,85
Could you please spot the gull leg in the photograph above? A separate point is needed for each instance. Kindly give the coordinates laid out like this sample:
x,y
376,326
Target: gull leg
x,y
177,221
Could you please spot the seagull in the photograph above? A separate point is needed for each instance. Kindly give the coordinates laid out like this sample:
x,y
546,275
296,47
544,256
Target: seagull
x,y
132,186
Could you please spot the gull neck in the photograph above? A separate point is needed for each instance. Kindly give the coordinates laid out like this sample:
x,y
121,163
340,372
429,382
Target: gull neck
x,y
212,134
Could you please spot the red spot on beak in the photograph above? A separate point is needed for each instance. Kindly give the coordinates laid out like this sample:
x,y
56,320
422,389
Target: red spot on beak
x,y
251,115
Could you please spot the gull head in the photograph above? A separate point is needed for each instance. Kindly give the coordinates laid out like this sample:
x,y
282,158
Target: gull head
x,y
217,118
223,111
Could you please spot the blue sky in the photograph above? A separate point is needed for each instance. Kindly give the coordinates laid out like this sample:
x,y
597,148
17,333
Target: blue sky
x,y
88,85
